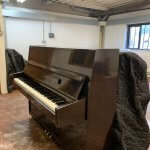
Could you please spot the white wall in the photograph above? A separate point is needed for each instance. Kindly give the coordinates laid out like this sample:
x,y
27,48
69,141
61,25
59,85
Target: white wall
x,y
115,36
21,33
116,32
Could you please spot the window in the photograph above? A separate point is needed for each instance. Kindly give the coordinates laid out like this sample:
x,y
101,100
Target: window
x,y
139,36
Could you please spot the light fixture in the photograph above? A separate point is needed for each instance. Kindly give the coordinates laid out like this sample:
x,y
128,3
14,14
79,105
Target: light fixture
x,y
21,1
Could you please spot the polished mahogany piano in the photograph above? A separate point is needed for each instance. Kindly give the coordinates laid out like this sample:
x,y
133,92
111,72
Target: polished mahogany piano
x,y
71,94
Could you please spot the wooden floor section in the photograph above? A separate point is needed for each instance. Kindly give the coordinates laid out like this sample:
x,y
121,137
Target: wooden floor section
x,y
18,131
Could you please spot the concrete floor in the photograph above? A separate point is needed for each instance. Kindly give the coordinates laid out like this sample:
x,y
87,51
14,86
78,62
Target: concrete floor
x,y
18,131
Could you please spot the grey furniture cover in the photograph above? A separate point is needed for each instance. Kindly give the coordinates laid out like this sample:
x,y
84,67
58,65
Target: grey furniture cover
x,y
15,63
131,131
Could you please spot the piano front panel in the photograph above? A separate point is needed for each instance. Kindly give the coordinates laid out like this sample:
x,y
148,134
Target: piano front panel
x,y
41,55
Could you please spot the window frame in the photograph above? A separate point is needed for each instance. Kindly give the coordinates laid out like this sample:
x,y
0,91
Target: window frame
x,y
128,35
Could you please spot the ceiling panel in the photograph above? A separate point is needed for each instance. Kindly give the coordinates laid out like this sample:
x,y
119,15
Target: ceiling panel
x,y
103,5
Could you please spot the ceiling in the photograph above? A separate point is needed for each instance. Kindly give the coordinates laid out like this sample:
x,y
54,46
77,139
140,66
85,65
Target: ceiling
x,y
103,5
101,9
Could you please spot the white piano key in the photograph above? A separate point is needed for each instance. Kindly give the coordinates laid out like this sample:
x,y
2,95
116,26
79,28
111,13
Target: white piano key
x,y
36,94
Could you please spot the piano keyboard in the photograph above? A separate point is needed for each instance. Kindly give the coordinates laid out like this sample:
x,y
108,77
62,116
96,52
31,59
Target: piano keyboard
x,y
44,95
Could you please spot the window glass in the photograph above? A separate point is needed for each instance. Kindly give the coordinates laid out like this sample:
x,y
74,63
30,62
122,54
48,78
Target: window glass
x,y
139,37
145,37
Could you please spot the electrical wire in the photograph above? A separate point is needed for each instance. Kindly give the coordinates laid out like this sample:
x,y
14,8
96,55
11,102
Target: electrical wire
x,y
50,25
43,31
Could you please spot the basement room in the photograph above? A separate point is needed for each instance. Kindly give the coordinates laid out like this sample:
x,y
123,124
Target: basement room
x,y
74,74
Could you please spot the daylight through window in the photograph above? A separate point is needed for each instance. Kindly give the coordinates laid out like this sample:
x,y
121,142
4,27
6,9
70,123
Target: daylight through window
x,y
139,37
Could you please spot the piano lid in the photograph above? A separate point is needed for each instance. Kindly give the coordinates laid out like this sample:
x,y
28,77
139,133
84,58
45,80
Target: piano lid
x,y
75,60
62,69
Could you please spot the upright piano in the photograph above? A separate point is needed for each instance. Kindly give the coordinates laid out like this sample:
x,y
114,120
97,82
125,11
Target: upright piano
x,y
71,93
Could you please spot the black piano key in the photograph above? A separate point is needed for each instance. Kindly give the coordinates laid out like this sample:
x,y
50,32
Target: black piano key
x,y
56,100
44,91
40,90
48,97
60,103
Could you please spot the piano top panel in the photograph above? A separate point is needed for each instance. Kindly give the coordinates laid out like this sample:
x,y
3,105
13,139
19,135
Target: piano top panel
x,y
74,60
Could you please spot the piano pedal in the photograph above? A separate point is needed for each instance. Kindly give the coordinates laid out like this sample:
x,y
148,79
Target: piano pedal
x,y
47,133
50,137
